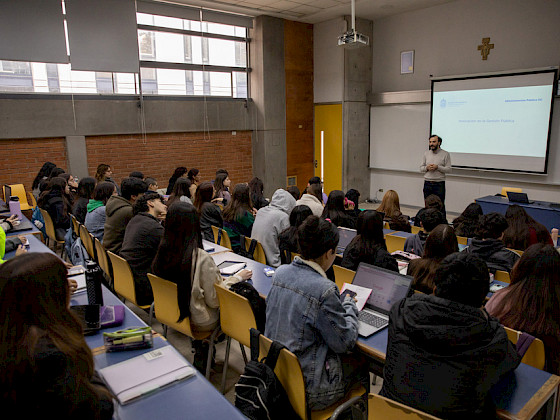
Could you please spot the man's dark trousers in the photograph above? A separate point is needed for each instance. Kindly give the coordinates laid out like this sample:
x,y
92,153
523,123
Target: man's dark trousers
x,y
436,188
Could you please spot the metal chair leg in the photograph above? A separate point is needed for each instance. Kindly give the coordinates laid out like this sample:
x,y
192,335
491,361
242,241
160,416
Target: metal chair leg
x,y
226,363
151,313
243,352
211,351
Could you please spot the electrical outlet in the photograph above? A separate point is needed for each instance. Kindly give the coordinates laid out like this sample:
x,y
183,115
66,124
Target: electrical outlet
x,y
380,189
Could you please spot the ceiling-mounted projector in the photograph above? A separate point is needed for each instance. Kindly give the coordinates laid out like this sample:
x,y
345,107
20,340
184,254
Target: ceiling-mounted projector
x,y
352,39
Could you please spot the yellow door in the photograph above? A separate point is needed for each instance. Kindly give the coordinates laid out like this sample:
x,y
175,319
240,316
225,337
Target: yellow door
x,y
328,145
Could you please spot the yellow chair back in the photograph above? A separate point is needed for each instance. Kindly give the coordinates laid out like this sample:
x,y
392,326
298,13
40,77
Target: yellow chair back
x,y
383,408
386,225
49,225
102,258
535,355
75,225
415,229
342,275
461,240
167,308
236,315
502,276
517,251
32,200
123,280
259,254
510,189
18,190
87,241
394,243
224,241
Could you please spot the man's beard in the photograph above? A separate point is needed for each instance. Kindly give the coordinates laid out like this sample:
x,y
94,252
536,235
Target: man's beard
x,y
433,147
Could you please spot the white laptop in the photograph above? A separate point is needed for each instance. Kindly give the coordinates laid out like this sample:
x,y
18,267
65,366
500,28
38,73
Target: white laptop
x,y
387,288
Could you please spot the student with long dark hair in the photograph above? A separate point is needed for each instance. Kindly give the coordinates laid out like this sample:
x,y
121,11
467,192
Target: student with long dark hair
x,y
54,200
179,172
257,198
287,240
334,211
440,243
238,215
42,175
46,364
531,302
523,230
210,214
96,209
194,176
86,186
221,188
313,198
181,192
467,224
368,245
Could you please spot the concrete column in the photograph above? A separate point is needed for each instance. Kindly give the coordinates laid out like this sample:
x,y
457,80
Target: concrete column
x,y
268,90
77,156
355,112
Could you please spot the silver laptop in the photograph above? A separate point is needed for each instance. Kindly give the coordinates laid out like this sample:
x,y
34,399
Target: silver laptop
x,y
387,288
345,237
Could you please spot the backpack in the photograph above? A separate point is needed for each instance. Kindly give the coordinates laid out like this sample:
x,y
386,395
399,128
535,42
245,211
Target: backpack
x,y
259,395
243,251
257,302
38,221
78,254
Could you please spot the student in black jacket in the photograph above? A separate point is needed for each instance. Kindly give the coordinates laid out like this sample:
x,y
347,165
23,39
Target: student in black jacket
x,y
86,187
54,201
287,240
210,214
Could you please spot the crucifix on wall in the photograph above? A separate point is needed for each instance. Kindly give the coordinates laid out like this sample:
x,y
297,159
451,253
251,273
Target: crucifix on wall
x,y
485,48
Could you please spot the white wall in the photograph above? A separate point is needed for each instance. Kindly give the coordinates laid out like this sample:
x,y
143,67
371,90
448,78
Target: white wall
x,y
445,39
328,61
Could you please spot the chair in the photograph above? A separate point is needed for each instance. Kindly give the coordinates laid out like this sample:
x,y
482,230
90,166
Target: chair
x,y
386,225
103,260
87,241
259,254
221,237
75,225
288,371
342,275
18,190
394,243
510,189
461,240
383,408
535,355
415,229
51,235
32,200
167,312
236,319
502,276
517,251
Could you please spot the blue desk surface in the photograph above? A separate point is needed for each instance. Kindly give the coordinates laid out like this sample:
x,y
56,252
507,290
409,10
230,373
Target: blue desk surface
x,y
33,229
387,231
401,234
35,245
216,248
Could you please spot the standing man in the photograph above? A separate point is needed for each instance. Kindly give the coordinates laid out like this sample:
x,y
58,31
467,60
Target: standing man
x,y
435,165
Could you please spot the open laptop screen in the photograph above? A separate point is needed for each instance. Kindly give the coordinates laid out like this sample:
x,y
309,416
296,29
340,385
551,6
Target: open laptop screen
x,y
7,193
345,237
387,287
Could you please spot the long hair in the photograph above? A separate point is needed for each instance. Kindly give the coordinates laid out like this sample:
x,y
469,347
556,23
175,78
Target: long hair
x,y
334,209
240,203
101,171
467,223
193,172
369,238
531,301
181,188
35,295
316,190
517,234
203,195
103,191
56,186
178,173
175,259
390,204
86,186
219,184
44,172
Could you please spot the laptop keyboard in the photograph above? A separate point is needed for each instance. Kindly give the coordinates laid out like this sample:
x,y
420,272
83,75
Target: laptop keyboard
x,y
372,319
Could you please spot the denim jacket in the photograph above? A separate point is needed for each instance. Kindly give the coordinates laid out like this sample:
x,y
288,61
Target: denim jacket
x,y
305,314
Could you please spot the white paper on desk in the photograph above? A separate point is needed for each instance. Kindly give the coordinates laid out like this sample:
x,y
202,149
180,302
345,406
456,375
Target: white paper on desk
x,y
81,280
232,269
143,375
362,294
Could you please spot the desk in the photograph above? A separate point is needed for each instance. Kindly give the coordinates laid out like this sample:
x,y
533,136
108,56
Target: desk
x,y
32,231
35,245
401,234
216,248
541,211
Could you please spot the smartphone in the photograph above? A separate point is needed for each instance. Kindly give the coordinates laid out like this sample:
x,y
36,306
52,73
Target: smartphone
x,y
347,292
268,271
25,242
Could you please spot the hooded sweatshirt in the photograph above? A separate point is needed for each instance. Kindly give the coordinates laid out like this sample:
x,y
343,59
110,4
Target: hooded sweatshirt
x,y
119,213
95,218
270,222
443,357
415,243
495,253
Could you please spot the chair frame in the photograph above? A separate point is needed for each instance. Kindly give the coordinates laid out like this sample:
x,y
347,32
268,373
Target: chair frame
x,y
535,354
51,235
87,241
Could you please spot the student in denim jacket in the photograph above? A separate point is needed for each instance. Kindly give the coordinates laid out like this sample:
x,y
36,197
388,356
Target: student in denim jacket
x,y
304,313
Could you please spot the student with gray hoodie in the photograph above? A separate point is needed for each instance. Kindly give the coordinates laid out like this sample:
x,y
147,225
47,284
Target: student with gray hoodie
x,y
271,221
96,211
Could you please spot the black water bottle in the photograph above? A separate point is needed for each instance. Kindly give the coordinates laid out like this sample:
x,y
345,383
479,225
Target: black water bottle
x,y
93,283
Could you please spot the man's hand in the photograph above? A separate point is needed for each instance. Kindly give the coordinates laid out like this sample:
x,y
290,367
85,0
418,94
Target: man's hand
x,y
431,167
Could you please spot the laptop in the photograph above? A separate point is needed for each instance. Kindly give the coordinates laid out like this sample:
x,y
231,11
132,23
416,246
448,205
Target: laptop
x,y
345,237
387,287
7,195
516,197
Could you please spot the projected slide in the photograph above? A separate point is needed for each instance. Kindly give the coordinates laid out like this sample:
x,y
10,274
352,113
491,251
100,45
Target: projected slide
x,y
493,126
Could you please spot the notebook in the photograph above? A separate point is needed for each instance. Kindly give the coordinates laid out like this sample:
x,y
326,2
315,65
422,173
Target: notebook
x,y
516,197
387,288
345,237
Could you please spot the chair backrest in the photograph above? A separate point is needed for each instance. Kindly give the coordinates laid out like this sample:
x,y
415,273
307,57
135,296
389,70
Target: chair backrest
x,y
166,307
510,189
502,276
222,235
18,190
87,241
386,225
236,315
259,254
461,240
535,355
123,279
415,229
102,258
383,408
517,251
342,275
32,200
394,243
288,371
49,225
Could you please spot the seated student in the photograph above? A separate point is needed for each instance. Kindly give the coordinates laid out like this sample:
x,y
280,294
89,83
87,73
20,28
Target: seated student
x,y
104,173
181,259
400,222
137,174
54,200
335,211
270,221
317,180
9,244
257,198
431,201
444,351
429,219
195,177
294,191
467,223
47,367
523,231
530,302
313,198
141,241
72,187
119,213
181,192
390,205
287,240
179,172
96,208
440,243
488,243
42,175
305,314
152,184
86,187
368,245
238,216
354,196
209,213
221,189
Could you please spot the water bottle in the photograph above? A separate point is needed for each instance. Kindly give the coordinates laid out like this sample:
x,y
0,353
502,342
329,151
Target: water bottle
x,y
93,283
15,208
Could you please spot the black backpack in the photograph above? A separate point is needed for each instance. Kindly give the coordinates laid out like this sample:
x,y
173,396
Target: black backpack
x,y
259,395
243,251
257,302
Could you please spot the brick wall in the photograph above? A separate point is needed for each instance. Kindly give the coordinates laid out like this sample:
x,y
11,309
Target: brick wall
x,y
21,159
158,155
